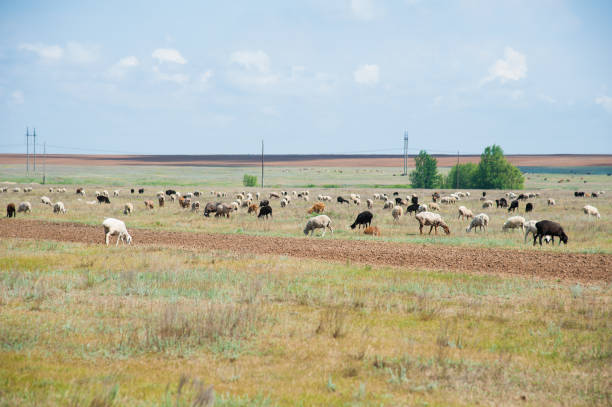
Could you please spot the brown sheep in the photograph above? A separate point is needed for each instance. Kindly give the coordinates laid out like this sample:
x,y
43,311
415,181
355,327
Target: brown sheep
x,y
253,209
148,204
184,202
319,207
161,200
10,210
372,230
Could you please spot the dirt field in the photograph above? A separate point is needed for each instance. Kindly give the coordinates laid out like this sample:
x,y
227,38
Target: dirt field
x,y
566,160
567,266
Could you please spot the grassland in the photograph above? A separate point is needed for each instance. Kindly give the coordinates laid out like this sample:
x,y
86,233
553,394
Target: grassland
x,y
86,325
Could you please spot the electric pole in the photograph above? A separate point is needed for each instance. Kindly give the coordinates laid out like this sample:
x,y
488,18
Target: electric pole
x,y
405,153
27,150
44,162
34,149
262,163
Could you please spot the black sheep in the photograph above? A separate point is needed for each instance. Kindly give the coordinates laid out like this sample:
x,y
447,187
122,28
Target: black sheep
x,y
414,199
342,200
484,193
412,208
10,211
523,197
132,190
528,207
170,192
103,199
141,191
579,194
263,203
513,206
501,203
265,211
364,218
550,228
398,201
395,193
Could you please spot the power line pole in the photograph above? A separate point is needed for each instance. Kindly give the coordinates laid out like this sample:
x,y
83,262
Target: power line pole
x,y
27,150
405,153
34,149
44,162
262,163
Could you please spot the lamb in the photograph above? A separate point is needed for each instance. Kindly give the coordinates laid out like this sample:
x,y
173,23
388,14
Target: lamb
x,y
253,208
128,209
24,207
481,221
148,204
433,220
45,200
59,208
113,227
195,206
530,227
487,204
528,207
371,230
10,210
265,211
514,222
318,222
547,227
591,211
551,202
364,218
224,210
513,205
319,207
370,203
397,213
465,213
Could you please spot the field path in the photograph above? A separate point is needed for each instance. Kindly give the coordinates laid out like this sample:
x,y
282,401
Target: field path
x,y
545,264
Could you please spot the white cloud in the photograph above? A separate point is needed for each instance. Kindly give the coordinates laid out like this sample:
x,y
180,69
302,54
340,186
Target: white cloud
x,y
171,77
511,68
257,60
367,75
123,65
605,102
17,97
168,55
51,52
546,98
205,77
365,9
80,53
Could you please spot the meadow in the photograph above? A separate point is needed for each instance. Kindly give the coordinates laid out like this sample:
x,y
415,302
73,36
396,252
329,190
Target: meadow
x,y
87,325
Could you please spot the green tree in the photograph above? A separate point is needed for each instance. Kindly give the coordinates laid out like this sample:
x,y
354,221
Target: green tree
x,y
466,176
495,172
425,174
249,180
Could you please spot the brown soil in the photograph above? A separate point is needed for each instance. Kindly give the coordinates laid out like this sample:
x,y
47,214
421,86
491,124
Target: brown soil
x,y
563,160
543,264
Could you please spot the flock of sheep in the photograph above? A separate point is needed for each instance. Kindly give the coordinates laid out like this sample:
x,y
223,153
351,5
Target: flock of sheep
x,y
425,214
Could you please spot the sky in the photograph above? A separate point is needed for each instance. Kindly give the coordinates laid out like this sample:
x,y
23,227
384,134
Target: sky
x,y
307,77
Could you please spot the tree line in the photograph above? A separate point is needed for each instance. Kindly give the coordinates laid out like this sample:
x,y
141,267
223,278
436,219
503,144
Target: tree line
x,y
492,172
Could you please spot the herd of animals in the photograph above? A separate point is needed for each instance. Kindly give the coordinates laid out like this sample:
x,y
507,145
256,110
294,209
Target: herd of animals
x,y
425,213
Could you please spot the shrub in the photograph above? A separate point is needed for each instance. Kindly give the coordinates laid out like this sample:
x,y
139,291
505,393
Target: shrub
x,y
249,180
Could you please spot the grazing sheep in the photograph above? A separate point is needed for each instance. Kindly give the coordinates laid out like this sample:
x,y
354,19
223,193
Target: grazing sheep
x,y
283,203
371,230
116,192
141,191
235,206
388,204
195,206
501,203
397,213
10,210
318,222
184,202
433,220
105,193
591,211
274,195
422,208
481,221
357,201
103,199
448,200
253,208
550,228
161,201
113,227
16,189
528,207
342,200
413,208
370,203
515,222
257,195
50,189
128,209
210,208
465,213
46,201
170,192
319,207
487,204
513,205
59,208
24,207
434,206
305,197
264,202
148,204
224,210
265,211
363,219
551,202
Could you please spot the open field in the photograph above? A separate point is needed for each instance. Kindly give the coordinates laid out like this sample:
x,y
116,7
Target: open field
x,y
270,317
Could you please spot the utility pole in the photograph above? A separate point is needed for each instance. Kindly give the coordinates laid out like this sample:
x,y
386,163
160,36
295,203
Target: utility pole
x,y
44,162
457,172
34,149
405,153
27,150
262,163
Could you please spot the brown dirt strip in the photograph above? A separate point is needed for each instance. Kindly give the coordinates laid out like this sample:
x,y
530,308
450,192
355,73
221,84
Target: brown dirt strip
x,y
544,264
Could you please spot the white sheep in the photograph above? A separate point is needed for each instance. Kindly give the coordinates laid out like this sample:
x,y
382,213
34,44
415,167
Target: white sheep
x,y
195,206
59,207
434,206
514,222
551,202
370,203
116,192
487,204
128,209
50,189
318,222
283,202
16,189
433,220
46,201
397,213
465,213
448,200
422,208
357,201
113,227
257,195
105,193
24,207
591,211
481,221
388,204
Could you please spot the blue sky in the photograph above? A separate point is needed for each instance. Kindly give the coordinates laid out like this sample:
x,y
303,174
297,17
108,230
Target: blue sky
x,y
307,76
